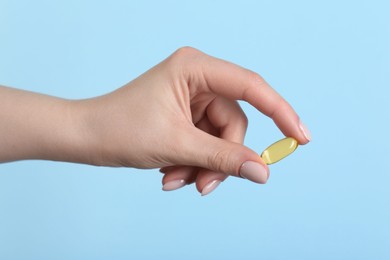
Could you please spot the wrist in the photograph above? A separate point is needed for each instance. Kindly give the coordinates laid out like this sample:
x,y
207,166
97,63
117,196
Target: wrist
x,y
82,144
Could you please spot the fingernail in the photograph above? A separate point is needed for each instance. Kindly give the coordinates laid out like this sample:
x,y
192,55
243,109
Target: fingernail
x,y
305,131
210,187
173,185
254,171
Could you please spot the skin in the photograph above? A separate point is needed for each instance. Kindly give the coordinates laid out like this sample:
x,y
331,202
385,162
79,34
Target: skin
x,y
181,116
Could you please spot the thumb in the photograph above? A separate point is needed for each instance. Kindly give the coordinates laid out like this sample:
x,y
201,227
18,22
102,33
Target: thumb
x,y
219,155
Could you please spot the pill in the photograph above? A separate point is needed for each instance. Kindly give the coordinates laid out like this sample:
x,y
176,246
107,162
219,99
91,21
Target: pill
x,y
279,150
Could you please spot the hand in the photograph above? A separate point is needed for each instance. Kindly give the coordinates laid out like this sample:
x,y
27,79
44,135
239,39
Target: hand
x,y
182,116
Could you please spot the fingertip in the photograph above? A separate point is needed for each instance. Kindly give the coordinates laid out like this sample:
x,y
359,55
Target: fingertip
x,y
210,187
174,185
291,126
305,132
255,172
207,179
185,173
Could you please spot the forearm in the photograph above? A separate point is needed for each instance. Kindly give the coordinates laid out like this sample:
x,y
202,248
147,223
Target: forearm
x,y
35,126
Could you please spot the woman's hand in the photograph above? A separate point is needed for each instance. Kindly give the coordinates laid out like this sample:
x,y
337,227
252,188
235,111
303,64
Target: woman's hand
x,y
181,116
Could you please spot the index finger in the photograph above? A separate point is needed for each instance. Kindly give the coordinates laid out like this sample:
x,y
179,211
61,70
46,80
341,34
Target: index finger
x,y
234,82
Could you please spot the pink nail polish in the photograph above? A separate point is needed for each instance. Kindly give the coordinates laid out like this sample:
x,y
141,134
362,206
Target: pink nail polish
x,y
210,187
173,185
305,131
254,171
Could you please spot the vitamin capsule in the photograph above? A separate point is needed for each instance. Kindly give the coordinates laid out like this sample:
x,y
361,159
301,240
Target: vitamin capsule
x,y
277,151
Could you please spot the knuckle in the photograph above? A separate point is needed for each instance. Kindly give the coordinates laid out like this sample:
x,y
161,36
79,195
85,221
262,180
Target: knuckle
x,y
188,63
219,162
257,79
185,52
254,81
183,59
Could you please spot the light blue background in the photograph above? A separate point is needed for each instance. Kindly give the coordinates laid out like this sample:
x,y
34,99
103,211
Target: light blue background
x,y
329,200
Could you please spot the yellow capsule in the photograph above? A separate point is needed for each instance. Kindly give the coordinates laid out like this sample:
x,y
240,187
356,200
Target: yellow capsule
x,y
277,151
